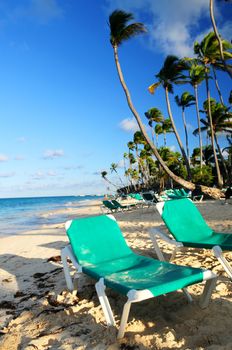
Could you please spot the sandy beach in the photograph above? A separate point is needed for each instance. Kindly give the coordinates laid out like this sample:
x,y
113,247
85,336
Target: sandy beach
x,y
37,311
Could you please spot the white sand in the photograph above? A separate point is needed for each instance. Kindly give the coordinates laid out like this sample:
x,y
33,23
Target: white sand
x,y
36,311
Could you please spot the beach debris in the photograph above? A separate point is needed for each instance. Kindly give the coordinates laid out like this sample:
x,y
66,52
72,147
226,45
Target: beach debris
x,y
6,304
56,258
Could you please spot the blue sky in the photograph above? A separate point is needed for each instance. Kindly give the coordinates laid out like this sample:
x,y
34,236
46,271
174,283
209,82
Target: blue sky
x,y
63,114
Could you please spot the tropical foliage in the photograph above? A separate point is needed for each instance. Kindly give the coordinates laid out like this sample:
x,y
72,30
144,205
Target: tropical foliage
x,y
149,162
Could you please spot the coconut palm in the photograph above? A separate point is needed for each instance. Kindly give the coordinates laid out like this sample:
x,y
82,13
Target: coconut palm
x,y
158,131
184,101
113,168
196,76
167,128
121,31
154,115
222,123
103,174
207,51
171,73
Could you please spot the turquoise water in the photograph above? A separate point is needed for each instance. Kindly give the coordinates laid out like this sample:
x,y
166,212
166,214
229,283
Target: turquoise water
x,y
21,214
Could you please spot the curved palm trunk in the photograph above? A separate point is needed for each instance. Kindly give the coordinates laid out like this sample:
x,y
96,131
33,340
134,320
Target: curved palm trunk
x,y
212,192
119,178
199,125
177,134
221,156
109,182
182,182
220,181
211,9
217,86
186,134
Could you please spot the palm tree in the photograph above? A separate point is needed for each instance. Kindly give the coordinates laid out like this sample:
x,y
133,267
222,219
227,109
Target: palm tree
x,y
196,76
154,115
167,128
221,121
220,42
158,131
205,51
113,168
121,31
171,73
186,100
103,174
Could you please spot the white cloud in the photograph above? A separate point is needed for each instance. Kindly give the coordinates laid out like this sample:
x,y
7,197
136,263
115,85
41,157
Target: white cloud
x,y
129,124
121,164
51,173
172,24
51,154
173,148
19,157
7,174
3,158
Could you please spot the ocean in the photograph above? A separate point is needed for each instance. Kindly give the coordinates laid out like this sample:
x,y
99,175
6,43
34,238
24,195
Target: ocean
x,y
22,214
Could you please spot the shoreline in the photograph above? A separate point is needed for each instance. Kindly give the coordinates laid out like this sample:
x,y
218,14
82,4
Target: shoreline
x,y
37,312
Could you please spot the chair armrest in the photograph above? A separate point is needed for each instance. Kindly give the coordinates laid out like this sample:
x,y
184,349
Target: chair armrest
x,y
158,233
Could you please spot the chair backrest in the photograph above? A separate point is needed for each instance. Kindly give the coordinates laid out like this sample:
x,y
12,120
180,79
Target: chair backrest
x,y
97,239
184,220
116,203
148,196
109,205
136,196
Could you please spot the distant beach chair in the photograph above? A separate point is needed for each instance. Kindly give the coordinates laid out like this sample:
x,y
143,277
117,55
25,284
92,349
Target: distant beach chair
x,y
98,249
189,229
177,193
149,198
139,199
123,206
108,206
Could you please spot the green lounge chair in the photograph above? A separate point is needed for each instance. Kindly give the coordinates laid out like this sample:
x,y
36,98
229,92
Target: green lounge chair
x,y
122,206
189,229
109,206
98,249
149,198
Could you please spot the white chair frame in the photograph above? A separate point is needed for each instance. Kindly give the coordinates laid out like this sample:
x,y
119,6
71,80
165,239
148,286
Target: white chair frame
x,y
156,234
133,296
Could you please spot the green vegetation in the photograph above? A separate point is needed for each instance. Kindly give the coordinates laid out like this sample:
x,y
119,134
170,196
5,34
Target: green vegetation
x,y
151,164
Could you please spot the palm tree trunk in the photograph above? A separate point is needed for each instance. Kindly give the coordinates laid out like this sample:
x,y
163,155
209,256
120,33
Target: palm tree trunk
x,y
220,181
199,125
156,135
165,140
211,9
186,134
221,156
217,86
215,193
177,135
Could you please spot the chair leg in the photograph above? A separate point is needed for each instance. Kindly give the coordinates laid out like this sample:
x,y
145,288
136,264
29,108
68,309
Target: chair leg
x,y
68,279
207,292
187,294
124,318
219,255
157,248
100,288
